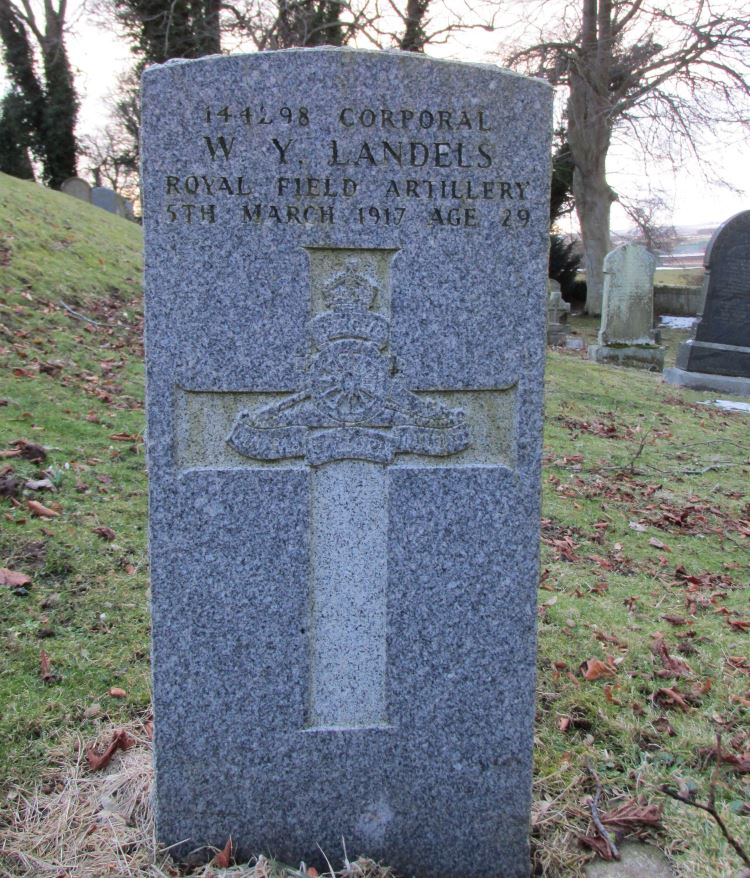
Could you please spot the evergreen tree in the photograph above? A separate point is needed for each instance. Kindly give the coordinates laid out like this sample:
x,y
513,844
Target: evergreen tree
x,y
563,263
14,147
42,112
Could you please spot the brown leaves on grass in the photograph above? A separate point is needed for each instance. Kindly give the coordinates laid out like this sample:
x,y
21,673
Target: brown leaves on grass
x,y
45,669
13,578
633,815
740,761
40,510
632,818
739,663
223,859
106,533
27,450
670,697
121,740
594,669
606,429
671,666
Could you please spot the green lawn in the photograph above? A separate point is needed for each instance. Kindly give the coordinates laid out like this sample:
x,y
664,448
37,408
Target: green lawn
x,y
645,550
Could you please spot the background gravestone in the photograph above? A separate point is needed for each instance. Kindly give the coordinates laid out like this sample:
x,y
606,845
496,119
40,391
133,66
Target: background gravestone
x,y
346,259
626,335
77,188
557,314
718,355
108,200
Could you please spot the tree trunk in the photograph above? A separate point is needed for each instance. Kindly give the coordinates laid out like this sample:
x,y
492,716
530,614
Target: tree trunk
x,y
414,38
589,133
593,200
61,110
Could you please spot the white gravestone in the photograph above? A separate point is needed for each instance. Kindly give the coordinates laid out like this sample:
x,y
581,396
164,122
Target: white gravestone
x,y
627,336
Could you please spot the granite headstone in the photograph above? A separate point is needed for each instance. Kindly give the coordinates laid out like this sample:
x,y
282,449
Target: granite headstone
x,y
346,257
626,334
77,188
108,199
718,355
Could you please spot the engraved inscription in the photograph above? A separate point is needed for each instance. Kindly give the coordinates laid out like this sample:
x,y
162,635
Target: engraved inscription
x,y
320,168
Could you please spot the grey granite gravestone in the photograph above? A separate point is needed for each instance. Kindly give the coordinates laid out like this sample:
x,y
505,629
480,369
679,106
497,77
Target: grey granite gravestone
x,y
107,199
77,188
557,314
718,355
346,258
626,335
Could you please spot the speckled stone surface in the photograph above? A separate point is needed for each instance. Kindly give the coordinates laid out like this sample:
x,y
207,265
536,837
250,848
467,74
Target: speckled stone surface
x,y
345,344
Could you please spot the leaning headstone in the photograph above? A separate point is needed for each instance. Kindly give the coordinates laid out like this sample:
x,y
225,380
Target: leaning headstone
x,y
557,314
718,355
77,188
626,335
346,259
108,200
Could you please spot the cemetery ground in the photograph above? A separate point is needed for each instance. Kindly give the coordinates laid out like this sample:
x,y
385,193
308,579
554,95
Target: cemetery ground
x,y
644,617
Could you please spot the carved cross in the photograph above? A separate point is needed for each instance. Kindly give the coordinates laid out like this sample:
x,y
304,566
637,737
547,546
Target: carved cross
x,y
351,419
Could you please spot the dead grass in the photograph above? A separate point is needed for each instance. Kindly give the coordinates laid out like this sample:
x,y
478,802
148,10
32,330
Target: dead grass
x,y
84,824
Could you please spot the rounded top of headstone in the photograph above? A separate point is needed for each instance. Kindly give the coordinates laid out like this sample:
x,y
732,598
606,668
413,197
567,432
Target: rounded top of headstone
x,y
630,253
346,53
731,232
76,187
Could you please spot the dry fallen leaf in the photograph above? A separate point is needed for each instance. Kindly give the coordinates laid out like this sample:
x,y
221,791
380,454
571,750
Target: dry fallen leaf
x,y
120,741
39,485
658,544
670,698
13,578
592,669
45,669
673,667
116,692
40,510
633,814
106,533
223,860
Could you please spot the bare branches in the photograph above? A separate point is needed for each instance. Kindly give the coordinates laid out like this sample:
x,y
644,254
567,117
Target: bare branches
x,y
710,806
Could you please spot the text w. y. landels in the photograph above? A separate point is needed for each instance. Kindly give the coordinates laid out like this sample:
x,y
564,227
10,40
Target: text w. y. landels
x,y
406,144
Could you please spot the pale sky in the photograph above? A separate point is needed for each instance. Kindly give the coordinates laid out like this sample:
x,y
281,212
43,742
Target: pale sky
x,y
98,56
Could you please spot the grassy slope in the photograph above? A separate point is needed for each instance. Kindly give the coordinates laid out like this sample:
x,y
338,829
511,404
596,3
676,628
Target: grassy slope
x,y
69,386
622,449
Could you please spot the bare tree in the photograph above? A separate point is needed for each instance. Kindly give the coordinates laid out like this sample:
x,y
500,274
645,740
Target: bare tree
x,y
662,77
645,212
409,25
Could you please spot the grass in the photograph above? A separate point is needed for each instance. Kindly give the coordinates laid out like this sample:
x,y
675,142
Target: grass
x,y
646,508
679,277
70,385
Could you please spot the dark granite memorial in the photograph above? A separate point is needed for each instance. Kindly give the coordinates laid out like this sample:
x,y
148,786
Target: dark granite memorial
x,y
718,356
